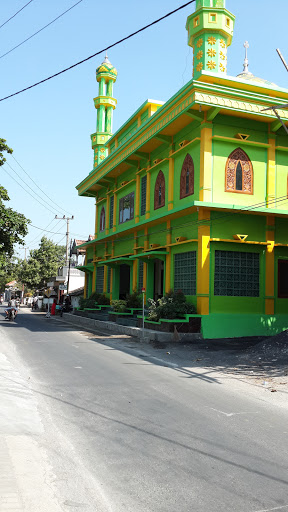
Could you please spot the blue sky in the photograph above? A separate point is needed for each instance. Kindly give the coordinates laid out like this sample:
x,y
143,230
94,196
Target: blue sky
x,y
49,126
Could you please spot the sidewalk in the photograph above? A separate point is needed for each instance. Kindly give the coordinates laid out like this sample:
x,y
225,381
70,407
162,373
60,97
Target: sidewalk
x,y
25,484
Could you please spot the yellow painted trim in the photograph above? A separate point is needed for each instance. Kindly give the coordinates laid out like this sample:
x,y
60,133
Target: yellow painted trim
x,y
114,213
137,199
159,164
171,184
197,139
123,186
203,266
237,241
205,191
269,267
271,175
168,258
238,141
146,239
96,220
148,194
107,215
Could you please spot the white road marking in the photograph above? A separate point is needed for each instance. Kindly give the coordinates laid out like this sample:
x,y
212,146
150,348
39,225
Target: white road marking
x,y
270,509
228,414
78,367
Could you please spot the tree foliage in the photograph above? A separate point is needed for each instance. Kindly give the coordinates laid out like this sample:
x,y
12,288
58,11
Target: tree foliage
x,y
42,264
13,225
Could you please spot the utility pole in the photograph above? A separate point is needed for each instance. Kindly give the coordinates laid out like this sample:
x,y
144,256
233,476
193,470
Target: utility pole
x,y
67,219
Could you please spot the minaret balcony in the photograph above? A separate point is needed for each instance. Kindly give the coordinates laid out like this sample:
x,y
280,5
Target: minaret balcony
x,y
106,101
99,138
209,19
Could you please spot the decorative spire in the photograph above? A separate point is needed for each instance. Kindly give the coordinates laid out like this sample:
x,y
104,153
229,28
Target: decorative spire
x,y
246,62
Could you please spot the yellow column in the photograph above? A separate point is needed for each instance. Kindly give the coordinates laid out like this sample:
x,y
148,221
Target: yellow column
x,y
168,258
137,202
107,216
96,220
206,162
269,267
171,183
203,267
114,212
271,173
148,193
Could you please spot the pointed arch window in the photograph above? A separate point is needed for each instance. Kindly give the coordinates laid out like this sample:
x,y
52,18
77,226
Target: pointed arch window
x,y
159,193
187,177
102,219
239,173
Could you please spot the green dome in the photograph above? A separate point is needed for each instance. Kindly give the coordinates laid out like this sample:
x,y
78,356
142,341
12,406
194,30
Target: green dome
x,y
106,68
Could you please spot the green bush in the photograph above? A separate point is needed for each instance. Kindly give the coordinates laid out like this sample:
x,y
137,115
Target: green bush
x,y
119,306
173,305
82,303
102,300
134,300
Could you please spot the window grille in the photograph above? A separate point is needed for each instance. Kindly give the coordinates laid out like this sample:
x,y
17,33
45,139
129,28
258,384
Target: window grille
x,y
108,279
236,274
126,208
185,272
99,279
140,275
143,194
111,212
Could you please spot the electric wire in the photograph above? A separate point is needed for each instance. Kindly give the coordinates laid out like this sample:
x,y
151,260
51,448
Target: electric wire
x,y
27,191
101,51
16,13
65,211
195,223
39,236
40,30
34,192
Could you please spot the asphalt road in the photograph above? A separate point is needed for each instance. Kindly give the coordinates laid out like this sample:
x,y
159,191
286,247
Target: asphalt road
x,y
117,432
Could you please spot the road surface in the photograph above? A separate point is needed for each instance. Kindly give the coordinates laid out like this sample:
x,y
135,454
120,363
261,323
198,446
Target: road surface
x,y
90,424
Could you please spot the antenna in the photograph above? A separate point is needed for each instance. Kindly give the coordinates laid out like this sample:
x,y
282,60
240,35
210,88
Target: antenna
x,y
282,58
275,107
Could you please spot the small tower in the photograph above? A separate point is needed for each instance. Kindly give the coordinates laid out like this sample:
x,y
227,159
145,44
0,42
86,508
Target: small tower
x,y
106,75
210,31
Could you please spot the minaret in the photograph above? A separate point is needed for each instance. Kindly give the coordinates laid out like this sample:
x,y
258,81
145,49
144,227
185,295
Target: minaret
x,y
106,75
210,31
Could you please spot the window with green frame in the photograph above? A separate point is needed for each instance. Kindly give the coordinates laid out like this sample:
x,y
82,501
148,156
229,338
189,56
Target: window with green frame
x,y
237,274
185,272
99,279
143,195
108,279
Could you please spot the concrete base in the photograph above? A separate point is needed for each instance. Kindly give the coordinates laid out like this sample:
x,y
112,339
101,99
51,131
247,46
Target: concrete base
x,y
150,336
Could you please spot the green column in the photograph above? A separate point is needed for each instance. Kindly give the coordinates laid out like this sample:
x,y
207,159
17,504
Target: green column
x,y
100,118
110,88
102,87
108,123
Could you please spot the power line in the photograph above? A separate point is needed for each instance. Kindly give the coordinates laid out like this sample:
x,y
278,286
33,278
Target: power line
x,y
40,30
101,51
21,185
195,223
16,13
37,237
59,207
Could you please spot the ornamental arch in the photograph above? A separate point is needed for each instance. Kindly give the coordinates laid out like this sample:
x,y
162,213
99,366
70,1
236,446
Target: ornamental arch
x,y
239,173
187,177
159,192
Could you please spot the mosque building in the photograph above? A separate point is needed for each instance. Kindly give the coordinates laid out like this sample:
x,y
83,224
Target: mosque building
x,y
191,194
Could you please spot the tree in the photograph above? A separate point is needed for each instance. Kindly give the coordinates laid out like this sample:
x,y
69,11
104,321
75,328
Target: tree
x,y
42,264
13,225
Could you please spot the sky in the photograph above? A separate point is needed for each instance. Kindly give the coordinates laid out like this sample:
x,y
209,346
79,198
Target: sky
x,y
49,126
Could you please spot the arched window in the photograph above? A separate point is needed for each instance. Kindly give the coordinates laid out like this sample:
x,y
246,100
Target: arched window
x,y
102,219
159,194
239,173
187,177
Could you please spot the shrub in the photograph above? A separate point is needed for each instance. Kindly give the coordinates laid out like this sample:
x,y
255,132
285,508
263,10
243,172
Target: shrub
x,y
134,300
102,300
119,306
82,303
172,305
